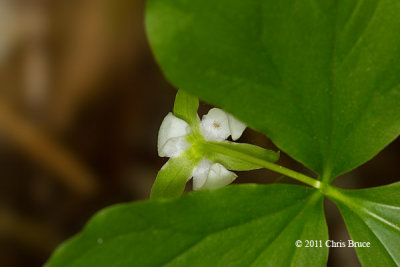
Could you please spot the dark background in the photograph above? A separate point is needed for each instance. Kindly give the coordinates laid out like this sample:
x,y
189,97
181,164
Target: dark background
x,y
81,100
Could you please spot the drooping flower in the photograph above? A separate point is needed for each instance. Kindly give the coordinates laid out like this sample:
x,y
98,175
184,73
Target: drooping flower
x,y
217,125
199,149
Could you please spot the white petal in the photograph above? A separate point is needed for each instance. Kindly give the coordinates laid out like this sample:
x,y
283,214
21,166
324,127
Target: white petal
x,y
200,173
208,175
174,147
215,125
218,176
171,127
236,127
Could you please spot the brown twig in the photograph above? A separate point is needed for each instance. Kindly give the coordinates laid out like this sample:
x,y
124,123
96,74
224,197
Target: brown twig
x,y
46,152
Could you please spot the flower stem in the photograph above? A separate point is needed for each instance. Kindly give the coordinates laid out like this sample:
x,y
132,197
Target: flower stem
x,y
213,146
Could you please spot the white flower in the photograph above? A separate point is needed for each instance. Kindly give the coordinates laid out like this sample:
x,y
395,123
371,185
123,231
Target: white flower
x,y
217,125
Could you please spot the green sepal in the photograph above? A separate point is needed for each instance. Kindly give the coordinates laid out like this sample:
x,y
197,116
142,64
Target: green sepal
x,y
221,152
171,179
186,107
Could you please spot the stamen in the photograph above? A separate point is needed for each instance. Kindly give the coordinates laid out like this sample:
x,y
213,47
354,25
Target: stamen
x,y
216,124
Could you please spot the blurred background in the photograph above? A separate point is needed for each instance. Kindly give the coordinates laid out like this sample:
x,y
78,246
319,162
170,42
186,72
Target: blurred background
x,y
81,100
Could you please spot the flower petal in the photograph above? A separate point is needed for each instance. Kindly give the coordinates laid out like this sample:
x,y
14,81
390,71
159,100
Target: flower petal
x,y
171,127
236,127
200,173
218,176
174,147
215,125
208,175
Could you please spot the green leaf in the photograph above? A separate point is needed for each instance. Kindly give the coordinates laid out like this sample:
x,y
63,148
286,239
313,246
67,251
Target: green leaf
x,y
185,107
233,226
373,215
320,78
221,152
172,178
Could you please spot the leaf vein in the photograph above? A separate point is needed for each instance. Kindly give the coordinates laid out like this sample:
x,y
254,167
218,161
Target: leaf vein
x,y
360,37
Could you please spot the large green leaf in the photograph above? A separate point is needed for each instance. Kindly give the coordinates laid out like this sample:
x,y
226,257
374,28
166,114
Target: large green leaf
x,y
233,226
373,215
320,78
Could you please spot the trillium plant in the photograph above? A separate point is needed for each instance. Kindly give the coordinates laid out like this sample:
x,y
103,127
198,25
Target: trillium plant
x,y
320,79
